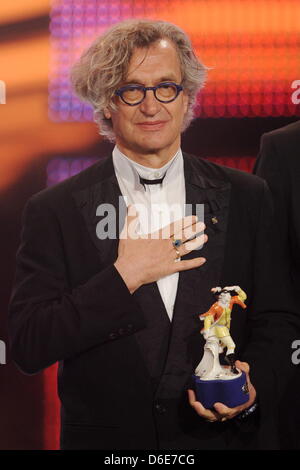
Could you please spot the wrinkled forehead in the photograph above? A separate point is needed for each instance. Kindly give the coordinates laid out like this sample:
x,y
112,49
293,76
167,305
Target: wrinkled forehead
x,y
158,60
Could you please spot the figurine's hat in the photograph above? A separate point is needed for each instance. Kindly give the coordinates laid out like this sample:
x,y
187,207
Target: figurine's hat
x,y
231,292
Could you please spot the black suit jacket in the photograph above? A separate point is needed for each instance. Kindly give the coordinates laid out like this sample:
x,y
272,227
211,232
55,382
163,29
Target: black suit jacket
x,y
279,163
123,367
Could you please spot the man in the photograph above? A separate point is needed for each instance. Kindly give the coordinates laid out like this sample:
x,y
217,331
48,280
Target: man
x,y
278,163
118,313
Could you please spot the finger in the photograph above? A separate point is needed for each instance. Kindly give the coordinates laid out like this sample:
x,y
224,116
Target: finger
x,y
184,265
243,366
199,408
195,244
178,225
190,231
229,413
226,413
223,410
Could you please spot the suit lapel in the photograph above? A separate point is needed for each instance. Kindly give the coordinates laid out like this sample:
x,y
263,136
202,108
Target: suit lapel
x,y
212,197
103,209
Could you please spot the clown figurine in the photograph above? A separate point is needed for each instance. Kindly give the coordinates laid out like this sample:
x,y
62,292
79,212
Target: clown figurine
x,y
214,382
216,332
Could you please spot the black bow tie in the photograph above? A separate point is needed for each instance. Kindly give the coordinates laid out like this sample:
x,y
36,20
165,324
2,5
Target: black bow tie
x,y
158,181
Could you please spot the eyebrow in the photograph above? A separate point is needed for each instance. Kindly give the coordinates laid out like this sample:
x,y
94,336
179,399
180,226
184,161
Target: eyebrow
x,y
169,78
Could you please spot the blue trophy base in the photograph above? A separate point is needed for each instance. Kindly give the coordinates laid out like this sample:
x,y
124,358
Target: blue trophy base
x,y
231,392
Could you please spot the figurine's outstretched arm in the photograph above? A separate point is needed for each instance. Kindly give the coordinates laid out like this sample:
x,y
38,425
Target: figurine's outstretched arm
x,y
240,297
237,289
216,289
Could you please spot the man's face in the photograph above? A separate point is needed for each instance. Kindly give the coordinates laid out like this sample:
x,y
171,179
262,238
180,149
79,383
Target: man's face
x,y
151,127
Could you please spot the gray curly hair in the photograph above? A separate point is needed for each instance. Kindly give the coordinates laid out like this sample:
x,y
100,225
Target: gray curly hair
x,y
104,65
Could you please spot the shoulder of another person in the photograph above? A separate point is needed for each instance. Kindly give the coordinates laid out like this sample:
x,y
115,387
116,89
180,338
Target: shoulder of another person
x,y
217,172
286,135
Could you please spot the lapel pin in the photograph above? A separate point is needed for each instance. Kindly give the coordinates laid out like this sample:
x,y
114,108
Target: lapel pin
x,y
214,220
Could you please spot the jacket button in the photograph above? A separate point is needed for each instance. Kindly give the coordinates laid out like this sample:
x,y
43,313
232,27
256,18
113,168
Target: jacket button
x,y
112,336
129,328
121,331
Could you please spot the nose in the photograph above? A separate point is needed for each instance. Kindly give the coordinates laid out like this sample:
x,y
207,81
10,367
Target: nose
x,y
150,105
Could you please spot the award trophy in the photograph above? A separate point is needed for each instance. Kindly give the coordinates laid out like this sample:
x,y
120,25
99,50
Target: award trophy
x,y
212,381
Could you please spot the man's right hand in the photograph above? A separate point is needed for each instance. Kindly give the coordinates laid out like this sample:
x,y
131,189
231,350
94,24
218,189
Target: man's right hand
x,y
146,258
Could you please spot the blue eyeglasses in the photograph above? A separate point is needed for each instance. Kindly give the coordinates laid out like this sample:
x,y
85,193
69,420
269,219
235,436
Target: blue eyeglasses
x,y
134,94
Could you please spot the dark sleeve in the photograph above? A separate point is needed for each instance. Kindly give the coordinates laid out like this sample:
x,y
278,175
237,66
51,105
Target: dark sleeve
x,y
277,164
48,321
273,314
272,165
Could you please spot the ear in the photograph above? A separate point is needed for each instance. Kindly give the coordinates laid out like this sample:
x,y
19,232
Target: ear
x,y
107,113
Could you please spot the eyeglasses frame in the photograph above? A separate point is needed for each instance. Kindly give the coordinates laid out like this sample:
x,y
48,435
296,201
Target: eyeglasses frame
x,y
119,92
